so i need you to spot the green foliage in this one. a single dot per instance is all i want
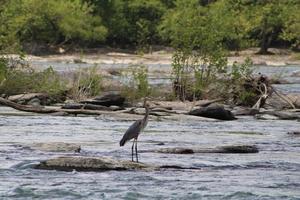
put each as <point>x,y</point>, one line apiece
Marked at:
<point>291,24</point>
<point>3,69</point>
<point>199,57</point>
<point>18,81</point>
<point>236,85</point>
<point>50,22</point>
<point>137,85</point>
<point>143,23</point>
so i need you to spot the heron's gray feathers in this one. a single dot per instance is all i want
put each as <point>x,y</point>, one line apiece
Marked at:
<point>132,132</point>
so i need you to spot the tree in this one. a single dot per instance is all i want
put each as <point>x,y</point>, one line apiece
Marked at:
<point>291,24</point>
<point>197,34</point>
<point>51,22</point>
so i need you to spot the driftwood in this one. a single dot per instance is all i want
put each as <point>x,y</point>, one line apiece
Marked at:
<point>263,89</point>
<point>44,110</point>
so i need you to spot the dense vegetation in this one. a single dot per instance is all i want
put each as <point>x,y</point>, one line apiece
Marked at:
<point>142,23</point>
<point>200,31</point>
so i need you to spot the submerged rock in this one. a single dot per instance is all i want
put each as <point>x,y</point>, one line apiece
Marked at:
<point>90,164</point>
<point>221,149</point>
<point>56,147</point>
<point>295,133</point>
<point>176,150</point>
<point>213,111</point>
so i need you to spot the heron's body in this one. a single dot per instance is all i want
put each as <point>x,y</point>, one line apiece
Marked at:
<point>134,131</point>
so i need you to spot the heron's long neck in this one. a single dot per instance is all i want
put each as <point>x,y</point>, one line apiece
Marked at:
<point>145,119</point>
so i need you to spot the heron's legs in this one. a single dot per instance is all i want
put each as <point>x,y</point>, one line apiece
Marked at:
<point>132,150</point>
<point>136,153</point>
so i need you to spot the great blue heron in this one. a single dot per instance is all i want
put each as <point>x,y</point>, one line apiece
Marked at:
<point>134,131</point>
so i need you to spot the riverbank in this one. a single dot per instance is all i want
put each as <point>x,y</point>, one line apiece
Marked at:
<point>278,57</point>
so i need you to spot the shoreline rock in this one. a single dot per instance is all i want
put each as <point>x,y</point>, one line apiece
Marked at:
<point>214,111</point>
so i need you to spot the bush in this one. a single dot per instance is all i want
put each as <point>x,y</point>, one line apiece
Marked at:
<point>136,84</point>
<point>85,83</point>
<point>22,79</point>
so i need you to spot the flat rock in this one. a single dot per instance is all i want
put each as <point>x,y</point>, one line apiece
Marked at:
<point>221,149</point>
<point>56,147</point>
<point>266,117</point>
<point>284,115</point>
<point>245,111</point>
<point>86,106</point>
<point>214,111</point>
<point>31,98</point>
<point>113,98</point>
<point>80,163</point>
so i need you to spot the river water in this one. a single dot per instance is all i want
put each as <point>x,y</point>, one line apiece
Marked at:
<point>273,173</point>
<point>283,72</point>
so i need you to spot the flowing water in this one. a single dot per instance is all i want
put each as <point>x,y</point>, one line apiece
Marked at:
<point>273,173</point>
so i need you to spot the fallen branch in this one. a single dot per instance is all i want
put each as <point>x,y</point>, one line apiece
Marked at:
<point>44,110</point>
<point>282,97</point>
<point>262,98</point>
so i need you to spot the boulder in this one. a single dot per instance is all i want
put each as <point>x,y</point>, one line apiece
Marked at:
<point>80,163</point>
<point>213,111</point>
<point>221,149</point>
<point>107,99</point>
<point>56,147</point>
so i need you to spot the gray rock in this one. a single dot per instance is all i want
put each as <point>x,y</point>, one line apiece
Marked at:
<point>221,149</point>
<point>56,147</point>
<point>33,98</point>
<point>284,115</point>
<point>214,111</point>
<point>90,164</point>
<point>266,117</point>
<point>34,102</point>
<point>72,106</point>
<point>108,99</point>
<point>275,102</point>
<point>244,111</point>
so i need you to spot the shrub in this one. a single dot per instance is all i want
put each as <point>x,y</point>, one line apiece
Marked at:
<point>85,83</point>
<point>136,83</point>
